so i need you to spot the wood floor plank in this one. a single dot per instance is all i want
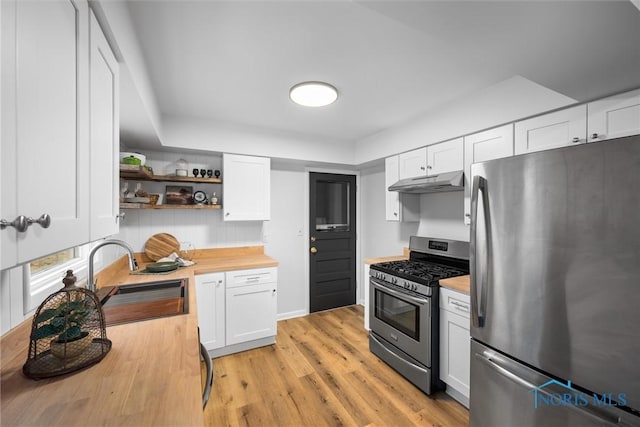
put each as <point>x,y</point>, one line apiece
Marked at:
<point>321,373</point>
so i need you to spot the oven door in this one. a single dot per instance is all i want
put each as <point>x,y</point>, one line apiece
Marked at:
<point>402,319</point>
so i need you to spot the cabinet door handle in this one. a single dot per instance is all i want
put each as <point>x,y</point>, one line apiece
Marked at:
<point>575,139</point>
<point>595,136</point>
<point>20,223</point>
<point>460,306</point>
<point>421,168</point>
<point>44,220</point>
<point>429,167</point>
<point>120,217</point>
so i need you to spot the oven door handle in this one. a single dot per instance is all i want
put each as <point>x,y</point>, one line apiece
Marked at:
<point>378,285</point>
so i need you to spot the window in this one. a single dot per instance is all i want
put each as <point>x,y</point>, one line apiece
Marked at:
<point>44,276</point>
<point>52,261</point>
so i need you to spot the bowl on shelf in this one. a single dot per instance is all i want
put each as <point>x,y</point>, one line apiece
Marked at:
<point>130,158</point>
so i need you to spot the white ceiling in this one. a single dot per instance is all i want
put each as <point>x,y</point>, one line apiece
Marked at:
<point>392,61</point>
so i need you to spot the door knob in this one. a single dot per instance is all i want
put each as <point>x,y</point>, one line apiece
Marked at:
<point>313,250</point>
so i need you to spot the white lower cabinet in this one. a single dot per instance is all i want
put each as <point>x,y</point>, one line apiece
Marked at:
<point>237,310</point>
<point>455,344</point>
<point>367,297</point>
<point>210,296</point>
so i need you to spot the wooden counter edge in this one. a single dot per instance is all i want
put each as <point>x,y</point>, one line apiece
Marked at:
<point>405,255</point>
<point>460,284</point>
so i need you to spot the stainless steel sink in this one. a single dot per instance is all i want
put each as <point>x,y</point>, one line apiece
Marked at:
<point>143,301</point>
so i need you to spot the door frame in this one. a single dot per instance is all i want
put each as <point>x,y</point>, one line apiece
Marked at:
<point>307,234</point>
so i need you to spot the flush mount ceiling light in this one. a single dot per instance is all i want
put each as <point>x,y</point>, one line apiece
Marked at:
<point>313,94</point>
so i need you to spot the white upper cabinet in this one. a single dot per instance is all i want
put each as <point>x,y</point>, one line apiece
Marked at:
<point>482,146</point>
<point>432,160</point>
<point>45,126</point>
<point>614,117</point>
<point>398,206</point>
<point>413,163</point>
<point>558,129</point>
<point>445,157</point>
<point>247,188</point>
<point>104,128</point>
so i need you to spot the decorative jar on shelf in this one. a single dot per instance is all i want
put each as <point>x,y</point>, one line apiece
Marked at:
<point>182,167</point>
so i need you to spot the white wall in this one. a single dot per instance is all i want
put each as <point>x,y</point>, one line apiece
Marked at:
<point>224,137</point>
<point>285,241</point>
<point>380,237</point>
<point>442,216</point>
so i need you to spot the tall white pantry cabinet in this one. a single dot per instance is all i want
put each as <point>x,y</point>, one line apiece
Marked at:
<point>47,118</point>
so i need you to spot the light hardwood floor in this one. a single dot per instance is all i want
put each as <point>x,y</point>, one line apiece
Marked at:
<point>321,373</point>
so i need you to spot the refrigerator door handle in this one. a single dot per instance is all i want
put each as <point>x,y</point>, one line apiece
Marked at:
<point>490,360</point>
<point>478,287</point>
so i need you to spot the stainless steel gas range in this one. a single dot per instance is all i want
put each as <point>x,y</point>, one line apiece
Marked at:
<point>404,314</point>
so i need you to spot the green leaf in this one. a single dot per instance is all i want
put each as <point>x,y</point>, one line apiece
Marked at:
<point>46,315</point>
<point>58,323</point>
<point>44,332</point>
<point>70,334</point>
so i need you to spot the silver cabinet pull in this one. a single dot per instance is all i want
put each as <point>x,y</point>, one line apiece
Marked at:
<point>20,223</point>
<point>44,221</point>
<point>575,139</point>
<point>429,167</point>
<point>120,217</point>
<point>421,168</point>
<point>595,136</point>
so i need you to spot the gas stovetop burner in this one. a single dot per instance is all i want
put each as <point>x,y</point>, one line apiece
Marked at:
<point>424,271</point>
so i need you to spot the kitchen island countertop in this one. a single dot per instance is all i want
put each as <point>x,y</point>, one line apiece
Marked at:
<point>151,376</point>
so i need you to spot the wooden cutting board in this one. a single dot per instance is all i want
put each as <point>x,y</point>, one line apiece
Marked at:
<point>161,245</point>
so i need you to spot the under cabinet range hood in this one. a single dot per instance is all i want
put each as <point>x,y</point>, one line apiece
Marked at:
<point>449,181</point>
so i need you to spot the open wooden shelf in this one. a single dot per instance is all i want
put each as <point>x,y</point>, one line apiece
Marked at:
<point>140,173</point>
<point>148,206</point>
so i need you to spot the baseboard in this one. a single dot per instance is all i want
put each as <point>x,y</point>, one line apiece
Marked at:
<point>292,314</point>
<point>243,346</point>
<point>461,398</point>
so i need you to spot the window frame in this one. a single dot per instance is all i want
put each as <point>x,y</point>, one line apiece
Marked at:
<point>40,285</point>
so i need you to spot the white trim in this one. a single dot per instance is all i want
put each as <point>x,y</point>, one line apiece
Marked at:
<point>308,170</point>
<point>292,314</point>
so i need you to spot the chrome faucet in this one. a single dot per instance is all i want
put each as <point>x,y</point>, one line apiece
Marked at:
<point>133,265</point>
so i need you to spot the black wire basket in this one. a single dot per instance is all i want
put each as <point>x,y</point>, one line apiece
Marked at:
<point>67,334</point>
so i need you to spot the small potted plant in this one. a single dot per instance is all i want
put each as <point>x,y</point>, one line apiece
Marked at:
<point>65,322</point>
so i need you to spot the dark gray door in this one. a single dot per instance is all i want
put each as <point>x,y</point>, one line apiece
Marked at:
<point>332,246</point>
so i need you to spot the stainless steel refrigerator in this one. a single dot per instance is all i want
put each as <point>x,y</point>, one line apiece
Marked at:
<point>555,287</point>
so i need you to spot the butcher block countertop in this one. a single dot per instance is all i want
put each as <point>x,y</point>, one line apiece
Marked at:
<point>460,284</point>
<point>405,255</point>
<point>151,376</point>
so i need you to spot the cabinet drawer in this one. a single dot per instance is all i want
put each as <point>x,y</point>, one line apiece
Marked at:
<point>455,302</point>
<point>254,276</point>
